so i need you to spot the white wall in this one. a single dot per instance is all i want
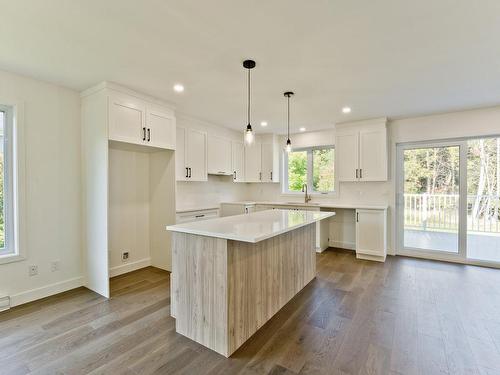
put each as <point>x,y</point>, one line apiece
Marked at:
<point>218,188</point>
<point>53,195</point>
<point>128,224</point>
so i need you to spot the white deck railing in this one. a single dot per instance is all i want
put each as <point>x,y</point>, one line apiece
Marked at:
<point>440,212</point>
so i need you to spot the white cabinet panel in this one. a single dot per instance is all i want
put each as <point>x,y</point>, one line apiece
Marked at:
<point>373,155</point>
<point>238,161</point>
<point>371,237</point>
<point>160,128</point>
<point>126,119</point>
<point>181,171</point>
<point>267,162</point>
<point>219,156</point>
<point>253,163</point>
<point>187,217</point>
<point>196,154</point>
<point>346,156</point>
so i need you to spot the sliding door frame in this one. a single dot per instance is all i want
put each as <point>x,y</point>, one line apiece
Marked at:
<point>461,255</point>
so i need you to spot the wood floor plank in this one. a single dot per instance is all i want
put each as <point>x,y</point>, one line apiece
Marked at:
<point>402,317</point>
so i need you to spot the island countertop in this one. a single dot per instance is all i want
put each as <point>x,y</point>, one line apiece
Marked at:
<point>253,227</point>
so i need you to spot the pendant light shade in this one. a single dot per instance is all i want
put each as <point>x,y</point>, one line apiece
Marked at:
<point>288,147</point>
<point>249,136</point>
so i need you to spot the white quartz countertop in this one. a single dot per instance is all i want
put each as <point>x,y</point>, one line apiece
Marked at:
<point>253,227</point>
<point>315,204</point>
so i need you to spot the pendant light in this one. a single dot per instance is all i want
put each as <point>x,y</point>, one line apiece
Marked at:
<point>288,146</point>
<point>249,136</point>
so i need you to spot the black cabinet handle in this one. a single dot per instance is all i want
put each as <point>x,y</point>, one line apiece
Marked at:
<point>143,134</point>
<point>200,216</point>
<point>357,172</point>
<point>260,176</point>
<point>187,172</point>
<point>271,175</point>
<point>357,217</point>
<point>234,178</point>
<point>149,134</point>
<point>360,173</point>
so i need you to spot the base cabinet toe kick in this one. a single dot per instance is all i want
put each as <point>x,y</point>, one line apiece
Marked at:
<point>223,290</point>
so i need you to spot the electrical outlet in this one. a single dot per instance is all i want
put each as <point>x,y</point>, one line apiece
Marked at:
<point>54,266</point>
<point>33,270</point>
<point>125,256</point>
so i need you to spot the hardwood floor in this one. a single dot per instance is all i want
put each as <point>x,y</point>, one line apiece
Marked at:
<point>405,316</point>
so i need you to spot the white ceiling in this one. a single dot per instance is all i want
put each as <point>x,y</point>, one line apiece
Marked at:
<point>392,58</point>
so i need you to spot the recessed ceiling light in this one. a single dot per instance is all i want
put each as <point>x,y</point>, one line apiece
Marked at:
<point>346,110</point>
<point>263,123</point>
<point>302,129</point>
<point>178,87</point>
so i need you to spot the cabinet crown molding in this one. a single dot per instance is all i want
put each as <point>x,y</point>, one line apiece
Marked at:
<point>124,90</point>
<point>370,122</point>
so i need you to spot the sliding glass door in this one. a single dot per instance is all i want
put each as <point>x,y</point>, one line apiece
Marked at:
<point>448,199</point>
<point>483,199</point>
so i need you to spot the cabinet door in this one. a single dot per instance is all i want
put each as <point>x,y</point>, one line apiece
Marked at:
<point>346,156</point>
<point>238,161</point>
<point>267,162</point>
<point>196,155</point>
<point>126,119</point>
<point>373,155</point>
<point>370,232</point>
<point>253,163</point>
<point>160,126</point>
<point>181,173</point>
<point>219,155</point>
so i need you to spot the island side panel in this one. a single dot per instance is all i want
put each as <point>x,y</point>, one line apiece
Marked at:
<point>199,289</point>
<point>264,276</point>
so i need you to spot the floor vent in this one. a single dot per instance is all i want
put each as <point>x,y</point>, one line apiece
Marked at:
<point>4,303</point>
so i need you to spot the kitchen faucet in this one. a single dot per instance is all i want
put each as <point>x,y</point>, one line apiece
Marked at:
<point>307,197</point>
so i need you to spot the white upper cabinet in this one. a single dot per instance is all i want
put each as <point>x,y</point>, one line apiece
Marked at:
<point>137,121</point>
<point>346,152</point>
<point>191,155</point>
<point>219,155</point>
<point>253,166</point>
<point>238,161</point>
<point>181,170</point>
<point>160,127</point>
<point>127,116</point>
<point>361,151</point>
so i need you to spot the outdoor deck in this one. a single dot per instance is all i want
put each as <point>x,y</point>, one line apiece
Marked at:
<point>481,246</point>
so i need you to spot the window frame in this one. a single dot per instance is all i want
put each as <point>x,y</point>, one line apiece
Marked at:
<point>310,173</point>
<point>14,194</point>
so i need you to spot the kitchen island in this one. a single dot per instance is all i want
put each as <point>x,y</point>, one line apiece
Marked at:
<point>230,275</point>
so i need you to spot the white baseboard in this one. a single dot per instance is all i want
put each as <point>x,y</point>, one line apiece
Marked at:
<point>342,245</point>
<point>45,291</point>
<point>129,267</point>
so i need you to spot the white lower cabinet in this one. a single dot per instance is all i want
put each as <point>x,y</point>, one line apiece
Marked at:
<point>371,234</point>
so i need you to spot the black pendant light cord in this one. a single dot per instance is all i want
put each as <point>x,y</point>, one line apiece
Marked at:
<point>248,96</point>
<point>288,126</point>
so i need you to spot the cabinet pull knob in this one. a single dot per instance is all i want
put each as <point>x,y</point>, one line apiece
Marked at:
<point>143,134</point>
<point>360,173</point>
<point>271,175</point>
<point>357,217</point>
<point>357,172</point>
<point>234,178</point>
<point>260,176</point>
<point>187,172</point>
<point>149,134</point>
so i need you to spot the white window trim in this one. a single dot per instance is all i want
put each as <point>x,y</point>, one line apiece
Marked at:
<point>18,185</point>
<point>316,194</point>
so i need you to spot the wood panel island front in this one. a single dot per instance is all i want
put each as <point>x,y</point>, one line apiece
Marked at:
<point>230,275</point>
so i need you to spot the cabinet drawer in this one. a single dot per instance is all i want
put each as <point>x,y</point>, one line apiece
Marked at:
<point>186,217</point>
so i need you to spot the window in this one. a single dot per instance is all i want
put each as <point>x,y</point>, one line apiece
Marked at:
<point>7,240</point>
<point>313,167</point>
